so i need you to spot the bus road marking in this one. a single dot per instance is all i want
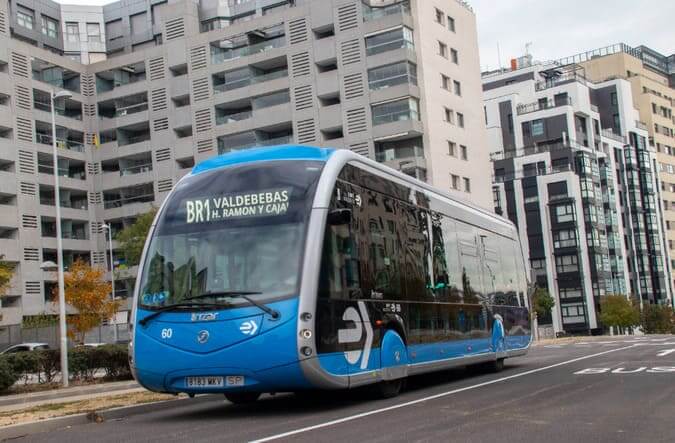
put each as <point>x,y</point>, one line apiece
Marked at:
<point>431,397</point>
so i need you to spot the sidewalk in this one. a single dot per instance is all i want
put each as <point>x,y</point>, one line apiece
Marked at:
<point>75,393</point>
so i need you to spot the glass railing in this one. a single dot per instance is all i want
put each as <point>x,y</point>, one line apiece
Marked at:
<point>224,87</point>
<point>407,114</point>
<point>389,46</point>
<point>118,203</point>
<point>139,169</point>
<point>71,145</point>
<point>388,82</point>
<point>231,118</point>
<point>399,153</point>
<point>133,140</point>
<point>371,13</point>
<point>63,172</point>
<point>222,55</point>
<point>132,109</point>
<point>285,140</point>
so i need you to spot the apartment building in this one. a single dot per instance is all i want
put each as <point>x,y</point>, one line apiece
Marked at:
<point>160,85</point>
<point>573,169</point>
<point>652,79</point>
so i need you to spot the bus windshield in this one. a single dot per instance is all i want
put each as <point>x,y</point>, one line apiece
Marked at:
<point>235,230</point>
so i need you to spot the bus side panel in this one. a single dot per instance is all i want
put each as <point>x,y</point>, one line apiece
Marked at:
<point>516,326</point>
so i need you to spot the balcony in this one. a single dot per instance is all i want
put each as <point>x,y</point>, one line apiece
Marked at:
<point>67,168</point>
<point>238,142</point>
<point>71,145</point>
<point>225,118</point>
<point>240,78</point>
<point>400,110</point>
<point>116,78</point>
<point>392,75</point>
<point>60,78</point>
<point>543,104</point>
<point>66,108</point>
<point>616,137</point>
<point>371,13</point>
<point>243,45</point>
<point>392,151</point>
<point>120,107</point>
<point>389,41</point>
<point>118,198</point>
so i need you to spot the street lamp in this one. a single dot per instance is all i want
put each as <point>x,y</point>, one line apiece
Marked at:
<point>59,243</point>
<point>112,275</point>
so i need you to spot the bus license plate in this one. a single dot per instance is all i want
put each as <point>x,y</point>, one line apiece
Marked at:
<point>234,380</point>
<point>204,382</point>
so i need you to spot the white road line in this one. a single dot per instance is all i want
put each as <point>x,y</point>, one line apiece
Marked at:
<point>431,397</point>
<point>665,352</point>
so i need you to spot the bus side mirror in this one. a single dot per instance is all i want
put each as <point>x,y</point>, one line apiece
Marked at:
<point>338,217</point>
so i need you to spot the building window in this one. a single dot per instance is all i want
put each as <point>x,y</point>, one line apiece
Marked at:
<point>565,239</point>
<point>406,109</point>
<point>454,181</point>
<point>49,27</point>
<point>463,151</point>
<point>72,32</point>
<point>445,82</point>
<point>460,119</point>
<point>613,98</point>
<point>537,127</point>
<point>566,263</point>
<point>442,49</point>
<point>570,293</point>
<point>575,313</point>
<point>93,32</point>
<point>564,213</point>
<point>392,75</point>
<point>451,24</point>
<point>467,184</point>
<point>454,56</point>
<point>440,17</point>
<point>24,17</point>
<point>458,87</point>
<point>452,148</point>
<point>539,263</point>
<point>449,115</point>
<point>388,41</point>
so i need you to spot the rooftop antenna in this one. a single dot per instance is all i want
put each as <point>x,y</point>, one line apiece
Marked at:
<point>527,48</point>
<point>499,57</point>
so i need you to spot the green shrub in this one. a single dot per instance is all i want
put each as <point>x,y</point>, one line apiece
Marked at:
<point>7,375</point>
<point>23,364</point>
<point>49,364</point>
<point>657,319</point>
<point>114,360</point>
<point>83,363</point>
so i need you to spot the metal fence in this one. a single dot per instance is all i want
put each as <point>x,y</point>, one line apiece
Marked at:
<point>15,334</point>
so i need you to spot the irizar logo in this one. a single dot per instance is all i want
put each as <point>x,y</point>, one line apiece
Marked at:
<point>353,335</point>
<point>248,327</point>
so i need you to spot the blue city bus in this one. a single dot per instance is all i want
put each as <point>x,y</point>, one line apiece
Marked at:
<point>291,268</point>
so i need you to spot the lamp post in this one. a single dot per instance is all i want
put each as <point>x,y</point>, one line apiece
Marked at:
<point>59,243</point>
<point>112,275</point>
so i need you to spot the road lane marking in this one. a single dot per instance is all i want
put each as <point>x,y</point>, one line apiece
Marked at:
<point>665,352</point>
<point>432,397</point>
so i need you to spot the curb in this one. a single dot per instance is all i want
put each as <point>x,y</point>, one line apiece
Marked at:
<point>20,399</point>
<point>56,423</point>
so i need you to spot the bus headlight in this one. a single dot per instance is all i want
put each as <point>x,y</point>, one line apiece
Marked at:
<point>306,334</point>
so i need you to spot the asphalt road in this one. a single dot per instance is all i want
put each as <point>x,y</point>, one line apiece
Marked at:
<point>607,390</point>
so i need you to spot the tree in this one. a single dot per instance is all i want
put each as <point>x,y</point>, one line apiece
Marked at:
<point>87,291</point>
<point>132,238</point>
<point>6,274</point>
<point>617,310</point>
<point>543,302</point>
<point>657,319</point>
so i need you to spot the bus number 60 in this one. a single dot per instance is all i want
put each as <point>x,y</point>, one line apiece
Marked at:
<point>167,332</point>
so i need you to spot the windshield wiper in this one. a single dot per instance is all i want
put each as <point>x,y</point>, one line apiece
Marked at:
<point>145,320</point>
<point>240,294</point>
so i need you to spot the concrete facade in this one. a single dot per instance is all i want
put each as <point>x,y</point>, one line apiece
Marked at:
<point>184,80</point>
<point>574,171</point>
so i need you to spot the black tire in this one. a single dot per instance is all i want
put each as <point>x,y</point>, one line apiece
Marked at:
<point>242,398</point>
<point>497,365</point>
<point>389,388</point>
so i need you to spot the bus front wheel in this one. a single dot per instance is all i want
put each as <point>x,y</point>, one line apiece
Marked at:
<point>241,398</point>
<point>389,388</point>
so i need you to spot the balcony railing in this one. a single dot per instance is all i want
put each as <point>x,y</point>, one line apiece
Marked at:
<point>45,106</point>
<point>389,46</point>
<point>77,204</point>
<point>400,153</point>
<point>536,149</point>
<point>531,173</point>
<point>138,169</point>
<point>394,80</point>
<point>132,140</point>
<point>121,112</point>
<point>541,105</point>
<point>257,79</point>
<point>63,172</point>
<point>231,118</point>
<point>610,134</point>
<point>71,145</point>
<point>391,117</point>
<point>568,77</point>
<point>230,54</point>
<point>371,13</point>
<point>118,203</point>
<point>640,125</point>
<point>285,140</point>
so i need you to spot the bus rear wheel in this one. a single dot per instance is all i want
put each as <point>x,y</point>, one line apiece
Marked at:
<point>242,398</point>
<point>497,365</point>
<point>389,388</point>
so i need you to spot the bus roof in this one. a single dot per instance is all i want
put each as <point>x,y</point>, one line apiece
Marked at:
<point>282,152</point>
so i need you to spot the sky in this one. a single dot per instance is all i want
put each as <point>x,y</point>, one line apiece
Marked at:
<point>560,28</point>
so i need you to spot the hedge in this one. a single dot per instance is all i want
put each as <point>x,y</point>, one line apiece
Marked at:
<point>83,363</point>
